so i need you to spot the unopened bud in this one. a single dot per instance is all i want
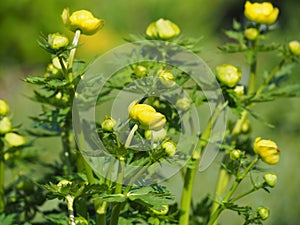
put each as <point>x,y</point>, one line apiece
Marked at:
<point>270,179</point>
<point>263,212</point>
<point>57,41</point>
<point>4,108</point>
<point>5,125</point>
<point>108,124</point>
<point>251,34</point>
<point>140,71</point>
<point>235,154</point>
<point>184,103</point>
<point>228,75</point>
<point>166,78</point>
<point>14,139</point>
<point>294,47</point>
<point>169,147</point>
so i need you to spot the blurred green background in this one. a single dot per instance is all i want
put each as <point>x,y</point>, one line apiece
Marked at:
<point>22,21</point>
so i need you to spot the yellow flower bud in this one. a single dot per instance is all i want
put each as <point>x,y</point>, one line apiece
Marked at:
<point>140,71</point>
<point>294,47</point>
<point>251,34</point>
<point>169,147</point>
<point>239,90</point>
<point>5,125</point>
<point>82,20</point>
<point>4,108</point>
<point>64,183</point>
<point>151,120</point>
<point>57,41</point>
<point>264,13</point>
<point>228,75</point>
<point>135,109</point>
<point>270,179</point>
<point>162,29</point>
<point>263,212</point>
<point>108,124</point>
<point>267,150</point>
<point>235,154</point>
<point>14,139</point>
<point>166,78</point>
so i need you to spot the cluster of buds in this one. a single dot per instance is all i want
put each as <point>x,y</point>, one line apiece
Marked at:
<point>147,117</point>
<point>13,139</point>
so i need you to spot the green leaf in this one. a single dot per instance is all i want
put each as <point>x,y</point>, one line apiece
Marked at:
<point>151,197</point>
<point>232,48</point>
<point>113,198</point>
<point>58,219</point>
<point>7,219</point>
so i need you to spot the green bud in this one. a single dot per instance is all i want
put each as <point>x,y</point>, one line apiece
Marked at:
<point>228,75</point>
<point>4,108</point>
<point>184,103</point>
<point>108,124</point>
<point>270,179</point>
<point>166,78</point>
<point>140,71</point>
<point>169,147</point>
<point>162,29</point>
<point>57,41</point>
<point>294,47</point>
<point>246,127</point>
<point>251,34</point>
<point>235,154</point>
<point>5,125</point>
<point>263,212</point>
<point>14,139</point>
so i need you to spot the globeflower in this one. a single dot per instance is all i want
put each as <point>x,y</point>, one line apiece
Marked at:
<point>162,29</point>
<point>147,116</point>
<point>82,20</point>
<point>267,150</point>
<point>228,75</point>
<point>264,13</point>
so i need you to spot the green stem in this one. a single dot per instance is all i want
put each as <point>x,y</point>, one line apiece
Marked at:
<point>223,181</point>
<point>65,138</point>
<point>70,202</point>
<point>233,188</point>
<point>189,176</point>
<point>2,202</point>
<point>252,79</point>
<point>255,188</point>
<point>119,184</point>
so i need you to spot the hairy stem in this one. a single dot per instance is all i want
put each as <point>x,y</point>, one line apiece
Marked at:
<point>70,202</point>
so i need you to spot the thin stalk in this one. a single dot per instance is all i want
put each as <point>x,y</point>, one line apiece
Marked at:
<point>255,188</point>
<point>233,188</point>
<point>72,56</point>
<point>189,176</point>
<point>2,202</point>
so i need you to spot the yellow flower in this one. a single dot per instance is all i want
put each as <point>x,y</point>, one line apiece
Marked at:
<point>264,13</point>
<point>162,29</point>
<point>4,108</point>
<point>267,150</point>
<point>14,140</point>
<point>151,120</point>
<point>57,41</point>
<point>294,47</point>
<point>228,75</point>
<point>82,20</point>
<point>147,116</point>
<point>135,109</point>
